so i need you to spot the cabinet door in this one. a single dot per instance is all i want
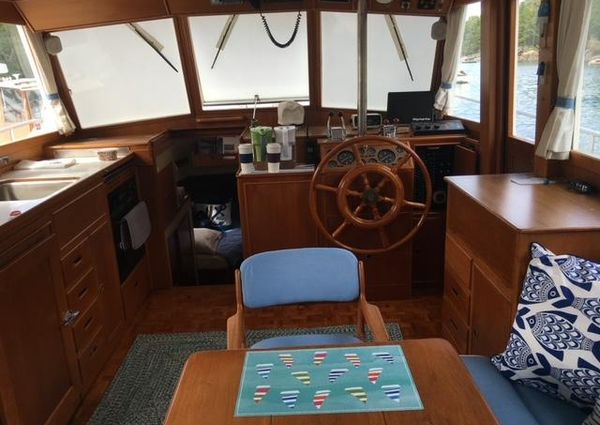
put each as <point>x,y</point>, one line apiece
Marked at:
<point>37,354</point>
<point>105,263</point>
<point>491,315</point>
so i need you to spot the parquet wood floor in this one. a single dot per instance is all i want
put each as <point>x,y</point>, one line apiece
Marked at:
<point>207,309</point>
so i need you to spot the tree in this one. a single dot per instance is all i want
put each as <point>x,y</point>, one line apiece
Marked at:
<point>528,30</point>
<point>472,41</point>
<point>12,52</point>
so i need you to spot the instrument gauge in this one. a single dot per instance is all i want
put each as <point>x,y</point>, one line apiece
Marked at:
<point>368,151</point>
<point>386,156</point>
<point>345,158</point>
<point>332,164</point>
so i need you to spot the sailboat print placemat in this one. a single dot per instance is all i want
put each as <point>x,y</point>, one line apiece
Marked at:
<point>334,380</point>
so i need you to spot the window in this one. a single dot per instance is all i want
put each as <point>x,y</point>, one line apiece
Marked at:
<point>249,63</point>
<point>116,76</point>
<point>385,72</point>
<point>525,86</point>
<point>466,94</point>
<point>587,138</point>
<point>24,110</point>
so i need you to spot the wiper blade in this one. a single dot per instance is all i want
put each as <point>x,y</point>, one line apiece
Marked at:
<point>224,37</point>
<point>152,42</point>
<point>398,42</point>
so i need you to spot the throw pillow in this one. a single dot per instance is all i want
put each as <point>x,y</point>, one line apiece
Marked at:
<point>206,241</point>
<point>554,345</point>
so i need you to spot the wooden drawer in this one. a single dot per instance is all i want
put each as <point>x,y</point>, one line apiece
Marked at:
<point>459,261</point>
<point>92,358</point>
<point>456,294</point>
<point>77,263</point>
<point>135,289</point>
<point>84,292</point>
<point>76,216</point>
<point>87,326</point>
<point>455,326</point>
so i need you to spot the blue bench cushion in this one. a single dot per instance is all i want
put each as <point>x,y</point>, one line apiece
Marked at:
<point>515,404</point>
<point>305,340</point>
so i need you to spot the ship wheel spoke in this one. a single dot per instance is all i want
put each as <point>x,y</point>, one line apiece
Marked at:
<point>354,193</point>
<point>401,163</point>
<point>357,155</point>
<point>382,183</point>
<point>359,209</point>
<point>376,213</point>
<point>387,199</point>
<point>326,188</point>
<point>337,232</point>
<point>417,205</point>
<point>366,181</point>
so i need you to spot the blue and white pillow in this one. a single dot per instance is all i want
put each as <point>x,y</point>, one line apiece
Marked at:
<point>554,345</point>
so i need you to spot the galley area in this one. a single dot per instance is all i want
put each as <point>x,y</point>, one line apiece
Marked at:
<point>157,156</point>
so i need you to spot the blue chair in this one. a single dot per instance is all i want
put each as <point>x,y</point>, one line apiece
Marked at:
<point>297,276</point>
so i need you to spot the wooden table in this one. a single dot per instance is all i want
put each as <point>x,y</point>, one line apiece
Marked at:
<point>208,389</point>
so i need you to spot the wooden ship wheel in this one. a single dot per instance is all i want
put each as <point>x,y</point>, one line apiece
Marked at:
<point>369,194</point>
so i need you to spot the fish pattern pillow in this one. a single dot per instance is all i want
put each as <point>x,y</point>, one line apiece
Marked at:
<point>554,345</point>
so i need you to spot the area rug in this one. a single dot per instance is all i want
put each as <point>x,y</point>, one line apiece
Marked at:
<point>141,392</point>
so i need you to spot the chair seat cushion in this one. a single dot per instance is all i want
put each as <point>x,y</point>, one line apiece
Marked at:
<point>515,404</point>
<point>305,340</point>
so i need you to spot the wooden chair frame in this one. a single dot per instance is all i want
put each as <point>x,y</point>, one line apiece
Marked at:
<point>367,313</point>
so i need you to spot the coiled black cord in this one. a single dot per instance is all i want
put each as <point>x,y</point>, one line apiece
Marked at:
<point>275,42</point>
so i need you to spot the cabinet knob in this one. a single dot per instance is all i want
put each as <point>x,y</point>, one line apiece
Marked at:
<point>70,317</point>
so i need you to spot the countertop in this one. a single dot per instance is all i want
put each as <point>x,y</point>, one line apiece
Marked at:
<point>532,207</point>
<point>85,169</point>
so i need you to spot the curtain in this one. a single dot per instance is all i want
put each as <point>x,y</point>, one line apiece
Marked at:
<point>64,124</point>
<point>557,138</point>
<point>454,38</point>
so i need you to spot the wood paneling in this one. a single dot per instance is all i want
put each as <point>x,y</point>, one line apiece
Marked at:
<point>274,212</point>
<point>46,15</point>
<point>9,13</point>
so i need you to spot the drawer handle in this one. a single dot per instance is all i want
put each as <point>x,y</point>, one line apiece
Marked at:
<point>455,292</point>
<point>70,317</point>
<point>77,261</point>
<point>135,284</point>
<point>94,349</point>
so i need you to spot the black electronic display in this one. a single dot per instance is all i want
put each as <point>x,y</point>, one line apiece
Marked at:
<point>406,107</point>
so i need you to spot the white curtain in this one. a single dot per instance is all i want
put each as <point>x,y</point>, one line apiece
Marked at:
<point>452,48</point>
<point>557,138</point>
<point>64,124</point>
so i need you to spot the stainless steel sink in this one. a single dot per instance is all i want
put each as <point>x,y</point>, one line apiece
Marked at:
<point>28,189</point>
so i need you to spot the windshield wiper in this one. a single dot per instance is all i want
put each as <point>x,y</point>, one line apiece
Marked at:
<point>224,37</point>
<point>398,42</point>
<point>152,42</point>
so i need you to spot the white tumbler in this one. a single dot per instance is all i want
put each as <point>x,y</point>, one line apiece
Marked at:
<point>245,154</point>
<point>273,157</point>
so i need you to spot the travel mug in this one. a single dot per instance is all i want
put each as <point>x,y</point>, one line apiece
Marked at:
<point>245,154</point>
<point>273,157</point>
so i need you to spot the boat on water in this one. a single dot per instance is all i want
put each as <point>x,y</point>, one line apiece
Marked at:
<point>240,186</point>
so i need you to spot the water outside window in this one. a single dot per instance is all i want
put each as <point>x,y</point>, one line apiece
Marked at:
<point>249,63</point>
<point>24,109</point>
<point>588,102</point>
<point>466,94</point>
<point>386,72</point>
<point>115,74</point>
<point>527,58</point>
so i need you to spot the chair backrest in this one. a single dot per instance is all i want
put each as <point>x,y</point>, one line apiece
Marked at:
<point>302,275</point>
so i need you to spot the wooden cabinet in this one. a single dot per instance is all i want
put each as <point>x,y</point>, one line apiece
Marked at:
<point>91,280</point>
<point>274,212</point>
<point>38,382</point>
<point>135,290</point>
<point>491,223</point>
